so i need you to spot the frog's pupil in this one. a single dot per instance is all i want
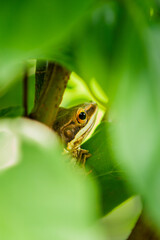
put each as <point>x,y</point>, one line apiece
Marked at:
<point>82,115</point>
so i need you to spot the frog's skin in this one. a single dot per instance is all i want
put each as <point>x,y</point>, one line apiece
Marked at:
<point>73,125</point>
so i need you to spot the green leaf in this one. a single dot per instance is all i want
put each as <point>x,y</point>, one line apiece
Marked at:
<point>42,195</point>
<point>11,112</point>
<point>120,48</point>
<point>35,24</point>
<point>136,135</point>
<point>29,28</point>
<point>97,43</point>
<point>111,180</point>
<point>13,97</point>
<point>120,222</point>
<point>11,68</point>
<point>99,50</point>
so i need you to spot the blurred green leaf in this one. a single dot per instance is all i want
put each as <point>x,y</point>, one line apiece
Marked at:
<point>9,148</point>
<point>98,42</point>
<point>119,47</point>
<point>36,24</point>
<point>99,49</point>
<point>78,93</point>
<point>11,68</point>
<point>42,197</point>
<point>111,180</point>
<point>136,134</point>
<point>28,28</point>
<point>117,44</point>
<point>120,222</point>
<point>11,112</point>
<point>14,95</point>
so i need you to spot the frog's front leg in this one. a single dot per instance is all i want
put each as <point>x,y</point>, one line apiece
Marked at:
<point>81,155</point>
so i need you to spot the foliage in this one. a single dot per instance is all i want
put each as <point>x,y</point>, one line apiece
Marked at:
<point>114,43</point>
<point>42,198</point>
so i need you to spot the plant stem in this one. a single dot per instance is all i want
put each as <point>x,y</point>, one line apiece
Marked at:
<point>50,94</point>
<point>41,67</point>
<point>25,93</point>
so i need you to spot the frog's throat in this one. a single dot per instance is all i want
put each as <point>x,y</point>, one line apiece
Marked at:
<point>82,133</point>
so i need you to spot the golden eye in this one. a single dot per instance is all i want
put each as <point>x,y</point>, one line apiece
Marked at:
<point>81,116</point>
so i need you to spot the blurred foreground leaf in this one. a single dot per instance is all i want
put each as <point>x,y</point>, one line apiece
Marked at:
<point>42,197</point>
<point>120,48</point>
<point>35,24</point>
<point>110,178</point>
<point>137,135</point>
<point>29,27</point>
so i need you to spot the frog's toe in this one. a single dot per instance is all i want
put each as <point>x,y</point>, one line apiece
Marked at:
<point>89,172</point>
<point>84,154</point>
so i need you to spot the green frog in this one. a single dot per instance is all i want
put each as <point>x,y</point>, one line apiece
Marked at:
<point>73,125</point>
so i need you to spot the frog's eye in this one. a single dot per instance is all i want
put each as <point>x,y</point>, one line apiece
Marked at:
<point>81,116</point>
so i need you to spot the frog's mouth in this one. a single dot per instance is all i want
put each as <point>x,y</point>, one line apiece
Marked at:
<point>81,135</point>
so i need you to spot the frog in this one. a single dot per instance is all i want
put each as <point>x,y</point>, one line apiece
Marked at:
<point>73,126</point>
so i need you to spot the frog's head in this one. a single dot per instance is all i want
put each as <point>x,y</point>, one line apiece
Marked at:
<point>74,124</point>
